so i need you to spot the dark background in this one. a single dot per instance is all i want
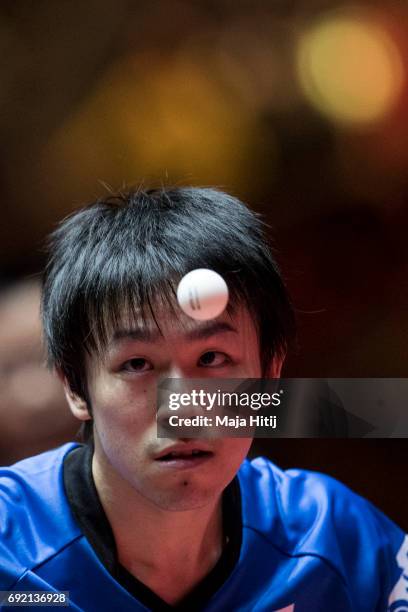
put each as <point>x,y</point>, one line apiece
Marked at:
<point>299,108</point>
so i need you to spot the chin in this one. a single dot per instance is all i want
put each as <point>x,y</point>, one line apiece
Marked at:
<point>185,495</point>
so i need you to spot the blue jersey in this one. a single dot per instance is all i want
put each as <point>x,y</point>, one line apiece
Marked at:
<point>308,544</point>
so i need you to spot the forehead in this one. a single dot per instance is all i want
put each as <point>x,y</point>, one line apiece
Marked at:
<point>168,324</point>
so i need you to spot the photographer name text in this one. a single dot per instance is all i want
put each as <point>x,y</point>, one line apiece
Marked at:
<point>235,422</point>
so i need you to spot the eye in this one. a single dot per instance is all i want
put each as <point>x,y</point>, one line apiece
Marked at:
<point>138,364</point>
<point>213,359</point>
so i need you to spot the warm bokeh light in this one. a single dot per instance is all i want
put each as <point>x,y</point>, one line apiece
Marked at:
<point>350,69</point>
<point>219,99</point>
<point>155,120</point>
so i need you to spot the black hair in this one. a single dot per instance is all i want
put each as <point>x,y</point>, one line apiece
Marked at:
<point>127,252</point>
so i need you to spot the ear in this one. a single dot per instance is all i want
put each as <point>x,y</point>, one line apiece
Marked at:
<point>78,405</point>
<point>276,367</point>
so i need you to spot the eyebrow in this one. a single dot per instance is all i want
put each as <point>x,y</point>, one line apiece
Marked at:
<point>206,330</point>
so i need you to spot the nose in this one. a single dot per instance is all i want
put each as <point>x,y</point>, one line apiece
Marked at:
<point>176,403</point>
<point>175,371</point>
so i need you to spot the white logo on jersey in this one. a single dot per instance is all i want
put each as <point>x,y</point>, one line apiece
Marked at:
<point>398,600</point>
<point>287,609</point>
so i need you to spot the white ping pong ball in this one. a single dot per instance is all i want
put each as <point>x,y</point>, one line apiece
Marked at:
<point>202,294</point>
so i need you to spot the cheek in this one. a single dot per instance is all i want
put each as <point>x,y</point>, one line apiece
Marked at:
<point>251,350</point>
<point>250,366</point>
<point>250,369</point>
<point>233,452</point>
<point>122,406</point>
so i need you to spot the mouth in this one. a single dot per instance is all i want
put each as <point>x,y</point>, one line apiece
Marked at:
<point>184,458</point>
<point>190,454</point>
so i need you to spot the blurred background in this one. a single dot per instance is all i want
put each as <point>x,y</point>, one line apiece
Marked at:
<point>299,108</point>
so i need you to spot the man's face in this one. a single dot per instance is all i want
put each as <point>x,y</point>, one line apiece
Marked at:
<point>122,388</point>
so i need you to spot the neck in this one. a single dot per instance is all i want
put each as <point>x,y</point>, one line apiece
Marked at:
<point>159,546</point>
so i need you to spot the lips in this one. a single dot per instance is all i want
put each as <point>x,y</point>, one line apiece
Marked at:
<point>186,451</point>
<point>187,455</point>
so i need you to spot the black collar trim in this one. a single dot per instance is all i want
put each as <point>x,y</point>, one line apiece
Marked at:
<point>89,513</point>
